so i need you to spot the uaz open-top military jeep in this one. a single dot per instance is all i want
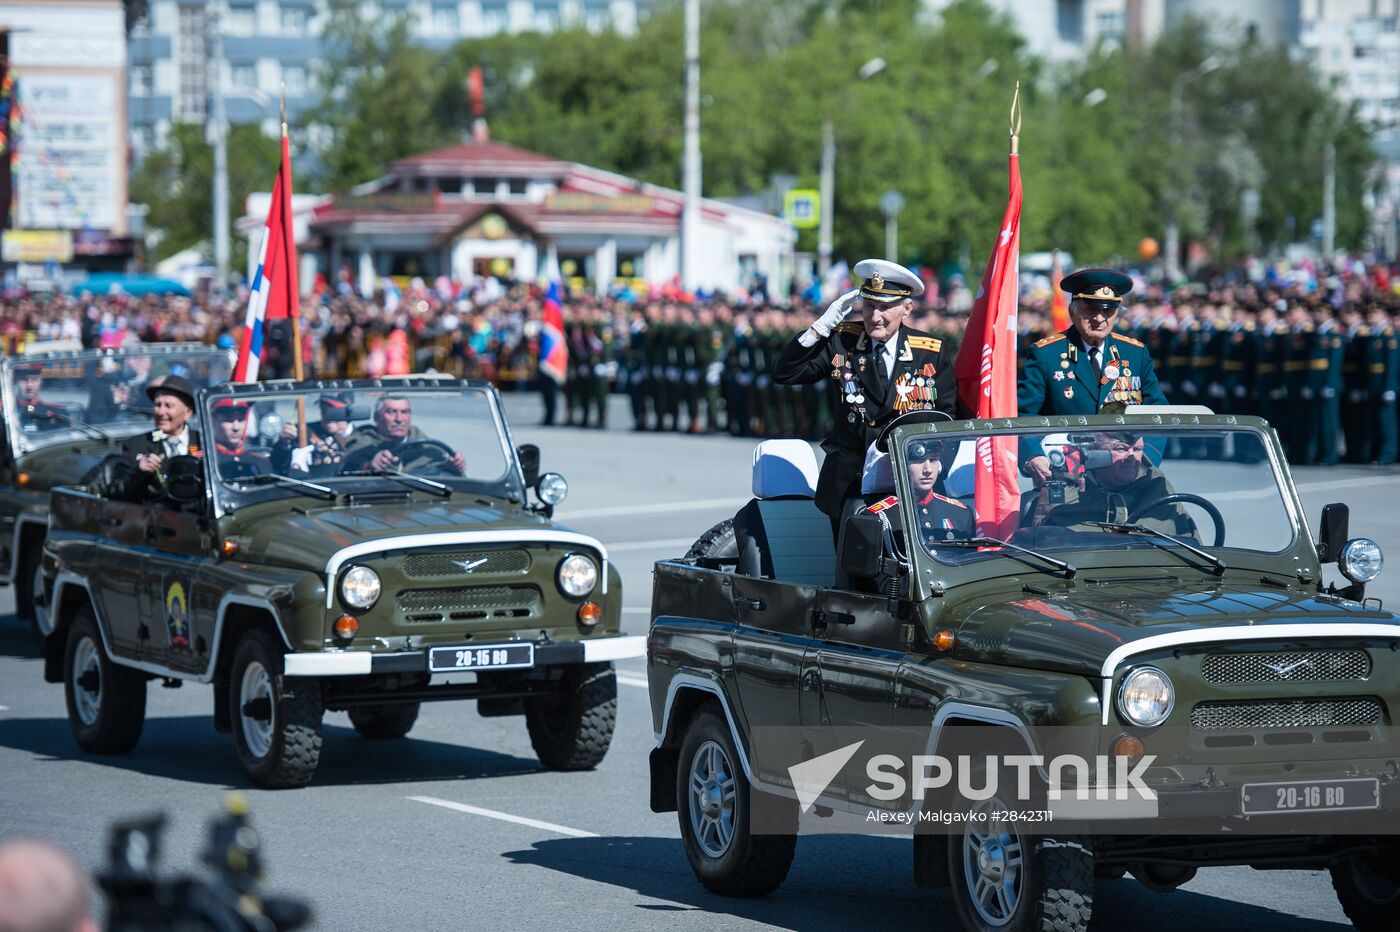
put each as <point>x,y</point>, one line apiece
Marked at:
<point>365,546</point>
<point>1154,606</point>
<point>64,411</point>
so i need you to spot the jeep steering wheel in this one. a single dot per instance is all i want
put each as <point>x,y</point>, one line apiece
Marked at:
<point>1186,498</point>
<point>439,455</point>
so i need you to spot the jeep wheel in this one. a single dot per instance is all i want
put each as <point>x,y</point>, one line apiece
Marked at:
<point>384,722</point>
<point>1369,890</point>
<point>716,544</point>
<point>572,728</point>
<point>106,701</point>
<point>276,720</point>
<point>1003,879</point>
<point>713,800</point>
<point>31,602</point>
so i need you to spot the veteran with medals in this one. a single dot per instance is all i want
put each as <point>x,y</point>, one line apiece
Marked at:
<point>1081,369</point>
<point>879,369</point>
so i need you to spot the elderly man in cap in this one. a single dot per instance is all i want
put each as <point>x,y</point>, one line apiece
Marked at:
<point>172,399</point>
<point>1087,366</point>
<point>328,441</point>
<point>879,367</point>
<point>230,417</point>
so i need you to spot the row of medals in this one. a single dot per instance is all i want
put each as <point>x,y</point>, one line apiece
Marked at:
<point>1111,372</point>
<point>855,396</point>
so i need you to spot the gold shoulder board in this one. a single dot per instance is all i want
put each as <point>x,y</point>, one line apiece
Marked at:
<point>849,326</point>
<point>926,343</point>
<point>1128,340</point>
<point>1048,340</point>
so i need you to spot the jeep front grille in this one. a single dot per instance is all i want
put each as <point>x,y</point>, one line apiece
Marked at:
<point>1287,713</point>
<point>481,563</point>
<point>471,603</point>
<point>1294,666</point>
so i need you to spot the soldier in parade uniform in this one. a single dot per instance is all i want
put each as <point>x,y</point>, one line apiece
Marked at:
<point>940,517</point>
<point>34,412</point>
<point>1300,421</point>
<point>1325,380</point>
<point>1238,352</point>
<point>1355,415</point>
<point>1382,360</point>
<point>233,459</point>
<point>328,441</point>
<point>1088,365</point>
<point>880,367</point>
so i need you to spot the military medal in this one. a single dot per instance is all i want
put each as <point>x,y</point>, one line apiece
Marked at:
<point>1064,363</point>
<point>1059,376</point>
<point>1110,371</point>
<point>906,353</point>
<point>1069,391</point>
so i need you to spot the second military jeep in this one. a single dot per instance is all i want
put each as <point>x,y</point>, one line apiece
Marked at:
<point>377,556</point>
<point>1156,602</point>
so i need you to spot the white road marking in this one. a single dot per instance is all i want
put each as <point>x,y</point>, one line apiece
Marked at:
<point>503,816</point>
<point>637,610</point>
<point>626,680</point>
<point>4,708</point>
<point>620,510</point>
<point>670,542</point>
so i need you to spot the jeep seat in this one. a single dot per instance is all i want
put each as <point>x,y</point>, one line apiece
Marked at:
<point>781,534</point>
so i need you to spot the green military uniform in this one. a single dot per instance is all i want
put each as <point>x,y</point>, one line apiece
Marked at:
<point>1299,437</point>
<point>1383,381</point>
<point>1326,380</point>
<point>1355,416</point>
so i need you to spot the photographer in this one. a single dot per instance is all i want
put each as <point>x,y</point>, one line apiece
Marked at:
<point>42,889</point>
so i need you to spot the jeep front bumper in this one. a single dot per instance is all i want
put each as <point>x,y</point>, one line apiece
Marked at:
<point>361,663</point>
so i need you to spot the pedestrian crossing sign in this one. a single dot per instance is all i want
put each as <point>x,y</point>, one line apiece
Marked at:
<point>802,208</point>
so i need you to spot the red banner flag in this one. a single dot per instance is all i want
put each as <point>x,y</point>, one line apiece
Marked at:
<point>986,370</point>
<point>1059,305</point>
<point>275,293</point>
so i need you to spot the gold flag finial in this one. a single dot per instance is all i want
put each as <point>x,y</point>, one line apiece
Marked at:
<point>1016,119</point>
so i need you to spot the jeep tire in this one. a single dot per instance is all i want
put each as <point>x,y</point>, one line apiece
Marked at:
<point>713,800</point>
<point>1369,890</point>
<point>1006,880</point>
<point>106,701</point>
<point>384,722</point>
<point>31,602</point>
<point>571,728</point>
<point>276,720</point>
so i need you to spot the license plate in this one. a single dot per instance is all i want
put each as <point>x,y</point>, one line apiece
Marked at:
<point>1310,796</point>
<point>481,657</point>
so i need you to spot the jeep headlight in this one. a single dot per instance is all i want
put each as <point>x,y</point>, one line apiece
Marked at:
<point>577,575</point>
<point>552,488</point>
<point>359,587</point>
<point>1146,697</point>
<point>1361,560</point>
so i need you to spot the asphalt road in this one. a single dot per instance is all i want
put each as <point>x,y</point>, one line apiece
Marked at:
<point>458,825</point>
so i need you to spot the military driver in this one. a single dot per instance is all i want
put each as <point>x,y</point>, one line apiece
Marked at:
<point>1121,484</point>
<point>394,443</point>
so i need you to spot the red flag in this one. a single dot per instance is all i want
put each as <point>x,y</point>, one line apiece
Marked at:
<point>986,370</point>
<point>1059,306</point>
<point>275,290</point>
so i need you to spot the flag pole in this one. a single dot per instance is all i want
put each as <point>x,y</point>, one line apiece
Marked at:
<point>295,300</point>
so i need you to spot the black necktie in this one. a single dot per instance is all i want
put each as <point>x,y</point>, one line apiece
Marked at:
<point>880,379</point>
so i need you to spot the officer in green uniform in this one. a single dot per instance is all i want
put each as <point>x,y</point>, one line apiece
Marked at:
<point>1268,370</point>
<point>711,353</point>
<point>1238,360</point>
<point>1088,365</point>
<point>1300,436</point>
<point>1356,419</point>
<point>636,368</point>
<point>1383,381</point>
<point>742,373</point>
<point>1325,379</point>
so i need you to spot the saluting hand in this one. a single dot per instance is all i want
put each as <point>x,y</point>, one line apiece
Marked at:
<point>835,312</point>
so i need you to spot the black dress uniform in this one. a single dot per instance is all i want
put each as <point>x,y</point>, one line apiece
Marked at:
<point>921,379</point>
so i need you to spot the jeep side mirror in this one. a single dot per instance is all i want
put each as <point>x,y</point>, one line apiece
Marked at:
<point>184,478</point>
<point>1333,534</point>
<point>529,463</point>
<point>862,546</point>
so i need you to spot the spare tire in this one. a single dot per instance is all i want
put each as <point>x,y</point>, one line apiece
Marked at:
<point>717,545</point>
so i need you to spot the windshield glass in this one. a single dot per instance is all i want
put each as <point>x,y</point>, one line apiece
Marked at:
<point>66,398</point>
<point>356,440</point>
<point>1208,488</point>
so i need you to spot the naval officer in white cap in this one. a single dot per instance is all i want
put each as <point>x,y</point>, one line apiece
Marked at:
<point>879,367</point>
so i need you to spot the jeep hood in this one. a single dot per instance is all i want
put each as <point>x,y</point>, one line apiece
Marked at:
<point>1075,630</point>
<point>306,539</point>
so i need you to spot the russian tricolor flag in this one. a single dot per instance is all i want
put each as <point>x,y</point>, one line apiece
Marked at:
<point>554,355</point>
<point>275,289</point>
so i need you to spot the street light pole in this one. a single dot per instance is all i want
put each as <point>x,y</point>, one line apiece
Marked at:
<point>218,129</point>
<point>1329,200</point>
<point>891,203</point>
<point>827,182</point>
<point>690,219</point>
<point>1171,239</point>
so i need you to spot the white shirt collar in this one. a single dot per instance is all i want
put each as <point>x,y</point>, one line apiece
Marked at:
<point>890,351</point>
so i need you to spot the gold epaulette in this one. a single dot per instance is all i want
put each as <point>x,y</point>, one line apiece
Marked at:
<point>849,326</point>
<point>1128,340</point>
<point>931,344</point>
<point>1048,340</point>
<point>951,501</point>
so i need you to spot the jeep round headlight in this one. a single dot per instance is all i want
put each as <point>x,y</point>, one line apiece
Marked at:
<point>359,587</point>
<point>577,575</point>
<point>552,488</point>
<point>1361,560</point>
<point>1146,697</point>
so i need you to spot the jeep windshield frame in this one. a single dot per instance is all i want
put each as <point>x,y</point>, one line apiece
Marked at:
<point>98,395</point>
<point>456,416</point>
<point>1295,555</point>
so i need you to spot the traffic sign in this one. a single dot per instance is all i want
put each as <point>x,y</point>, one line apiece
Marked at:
<point>802,208</point>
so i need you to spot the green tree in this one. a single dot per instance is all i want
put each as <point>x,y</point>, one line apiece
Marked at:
<point>176,183</point>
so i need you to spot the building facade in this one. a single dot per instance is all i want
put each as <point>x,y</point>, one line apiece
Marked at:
<point>269,43</point>
<point>482,209</point>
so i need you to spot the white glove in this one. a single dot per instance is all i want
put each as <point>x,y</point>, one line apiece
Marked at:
<point>835,312</point>
<point>301,458</point>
